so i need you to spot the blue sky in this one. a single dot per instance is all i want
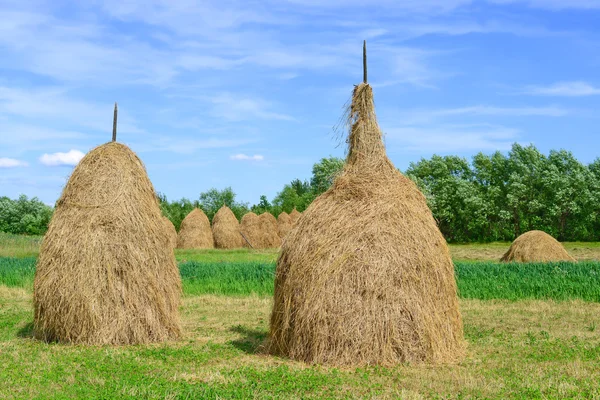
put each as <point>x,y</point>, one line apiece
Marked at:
<point>245,93</point>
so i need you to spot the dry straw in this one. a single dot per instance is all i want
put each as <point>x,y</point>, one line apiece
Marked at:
<point>295,216</point>
<point>106,273</point>
<point>171,232</point>
<point>285,224</point>
<point>269,231</point>
<point>366,278</point>
<point>195,231</point>
<point>250,230</point>
<point>536,246</point>
<point>226,230</point>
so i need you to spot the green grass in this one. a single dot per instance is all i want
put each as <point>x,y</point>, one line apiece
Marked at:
<point>19,245</point>
<point>476,280</point>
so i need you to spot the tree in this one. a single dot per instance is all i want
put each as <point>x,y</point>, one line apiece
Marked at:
<point>324,173</point>
<point>213,199</point>
<point>24,216</point>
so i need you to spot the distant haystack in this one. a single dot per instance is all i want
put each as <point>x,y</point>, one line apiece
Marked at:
<point>226,230</point>
<point>106,273</point>
<point>195,231</point>
<point>365,277</point>
<point>171,232</point>
<point>269,231</point>
<point>250,230</point>
<point>295,216</point>
<point>285,224</point>
<point>536,246</point>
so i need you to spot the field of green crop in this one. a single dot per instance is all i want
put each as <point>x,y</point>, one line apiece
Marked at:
<point>531,329</point>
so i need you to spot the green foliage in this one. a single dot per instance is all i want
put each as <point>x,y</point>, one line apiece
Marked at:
<point>213,199</point>
<point>498,197</point>
<point>24,216</point>
<point>177,210</point>
<point>324,173</point>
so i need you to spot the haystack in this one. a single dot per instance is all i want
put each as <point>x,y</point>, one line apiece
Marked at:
<point>171,232</point>
<point>366,278</point>
<point>285,224</point>
<point>536,246</point>
<point>106,273</point>
<point>250,230</point>
<point>226,230</point>
<point>269,231</point>
<point>295,216</point>
<point>195,231</point>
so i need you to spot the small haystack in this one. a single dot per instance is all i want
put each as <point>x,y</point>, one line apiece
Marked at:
<point>106,273</point>
<point>269,231</point>
<point>285,224</point>
<point>226,230</point>
<point>536,246</point>
<point>295,216</point>
<point>171,232</point>
<point>195,232</point>
<point>366,278</point>
<point>250,230</point>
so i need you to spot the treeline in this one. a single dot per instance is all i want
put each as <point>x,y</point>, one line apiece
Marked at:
<point>24,216</point>
<point>489,198</point>
<point>497,197</point>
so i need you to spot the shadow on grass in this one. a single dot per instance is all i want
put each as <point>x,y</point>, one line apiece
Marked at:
<point>252,341</point>
<point>26,332</point>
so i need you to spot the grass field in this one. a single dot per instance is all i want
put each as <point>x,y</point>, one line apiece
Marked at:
<point>533,331</point>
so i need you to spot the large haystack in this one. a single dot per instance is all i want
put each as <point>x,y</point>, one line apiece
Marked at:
<point>366,277</point>
<point>285,224</point>
<point>195,231</point>
<point>250,230</point>
<point>269,231</point>
<point>171,232</point>
<point>536,246</point>
<point>295,216</point>
<point>106,273</point>
<point>226,230</point>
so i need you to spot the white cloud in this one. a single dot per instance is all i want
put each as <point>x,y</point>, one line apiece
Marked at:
<point>244,157</point>
<point>567,89</point>
<point>11,163</point>
<point>55,159</point>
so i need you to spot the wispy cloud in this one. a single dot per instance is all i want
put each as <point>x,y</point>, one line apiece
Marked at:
<point>244,157</point>
<point>566,89</point>
<point>237,108</point>
<point>450,139</point>
<point>70,158</point>
<point>11,163</point>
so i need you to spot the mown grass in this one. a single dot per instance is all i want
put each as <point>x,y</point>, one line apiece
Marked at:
<point>19,245</point>
<point>527,349</point>
<point>475,280</point>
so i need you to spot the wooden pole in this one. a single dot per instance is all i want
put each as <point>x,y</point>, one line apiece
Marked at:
<point>114,137</point>
<point>365,61</point>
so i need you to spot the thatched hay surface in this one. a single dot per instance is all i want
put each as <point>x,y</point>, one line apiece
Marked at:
<point>366,276</point>
<point>195,231</point>
<point>226,230</point>
<point>536,246</point>
<point>285,224</point>
<point>269,231</point>
<point>171,232</point>
<point>295,215</point>
<point>250,229</point>
<point>106,273</point>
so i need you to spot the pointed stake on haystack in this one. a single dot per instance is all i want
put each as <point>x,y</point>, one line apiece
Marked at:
<point>114,137</point>
<point>365,61</point>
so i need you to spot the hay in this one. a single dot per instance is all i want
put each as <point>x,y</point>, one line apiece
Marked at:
<point>295,216</point>
<point>285,224</point>
<point>261,231</point>
<point>250,229</point>
<point>195,231</point>
<point>366,278</point>
<point>106,273</point>
<point>536,246</point>
<point>269,231</point>
<point>226,230</point>
<point>171,232</point>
